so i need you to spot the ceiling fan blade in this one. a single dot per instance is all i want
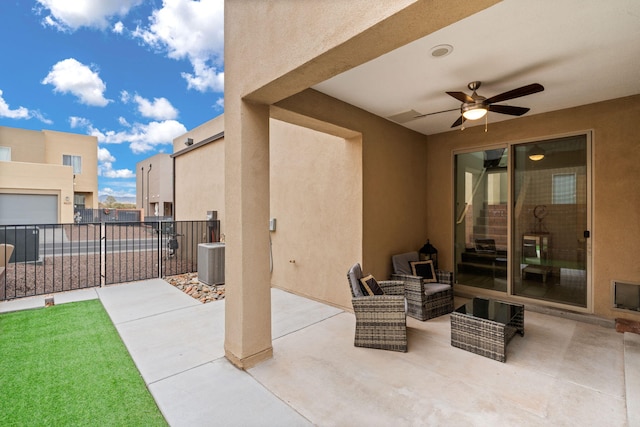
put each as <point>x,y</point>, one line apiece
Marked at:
<point>516,93</point>
<point>437,112</point>
<point>461,96</point>
<point>508,109</point>
<point>458,122</point>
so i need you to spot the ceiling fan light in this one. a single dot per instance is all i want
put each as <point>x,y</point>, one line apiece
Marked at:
<point>536,154</point>
<point>475,113</point>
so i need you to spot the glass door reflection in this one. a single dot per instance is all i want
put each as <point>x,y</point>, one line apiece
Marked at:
<point>550,220</point>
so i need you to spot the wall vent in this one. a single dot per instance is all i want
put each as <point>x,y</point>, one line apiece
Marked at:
<point>626,296</point>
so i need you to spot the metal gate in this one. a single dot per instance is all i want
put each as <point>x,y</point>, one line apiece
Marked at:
<point>61,257</point>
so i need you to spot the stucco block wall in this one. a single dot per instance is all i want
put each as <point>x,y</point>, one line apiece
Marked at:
<point>616,156</point>
<point>316,198</point>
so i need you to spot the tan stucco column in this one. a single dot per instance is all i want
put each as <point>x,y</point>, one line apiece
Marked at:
<point>247,276</point>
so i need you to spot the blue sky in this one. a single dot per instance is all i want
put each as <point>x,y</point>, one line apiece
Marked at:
<point>134,73</point>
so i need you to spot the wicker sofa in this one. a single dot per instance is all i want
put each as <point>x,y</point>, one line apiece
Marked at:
<point>381,320</point>
<point>424,300</point>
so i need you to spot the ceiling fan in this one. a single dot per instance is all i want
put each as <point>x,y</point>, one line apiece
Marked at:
<point>475,106</point>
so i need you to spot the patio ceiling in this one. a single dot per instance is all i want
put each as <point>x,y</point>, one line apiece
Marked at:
<point>581,51</point>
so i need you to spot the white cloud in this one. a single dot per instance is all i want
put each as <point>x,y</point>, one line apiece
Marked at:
<point>123,121</point>
<point>220,102</point>
<point>192,30</point>
<point>125,97</point>
<point>20,112</point>
<point>159,109</point>
<point>118,27</point>
<point>65,15</point>
<point>105,156</point>
<point>142,137</point>
<point>78,122</point>
<point>105,166</point>
<point>71,76</point>
<point>204,78</point>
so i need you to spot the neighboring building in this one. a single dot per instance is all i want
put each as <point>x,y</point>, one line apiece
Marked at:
<point>45,174</point>
<point>308,168</point>
<point>199,169</point>
<point>154,186</point>
<point>407,181</point>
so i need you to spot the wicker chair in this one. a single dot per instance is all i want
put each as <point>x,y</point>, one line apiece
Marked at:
<point>381,320</point>
<point>424,300</point>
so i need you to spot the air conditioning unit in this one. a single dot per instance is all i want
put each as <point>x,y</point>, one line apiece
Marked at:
<point>211,263</point>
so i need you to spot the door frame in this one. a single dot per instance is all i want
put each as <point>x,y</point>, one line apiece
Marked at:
<point>470,291</point>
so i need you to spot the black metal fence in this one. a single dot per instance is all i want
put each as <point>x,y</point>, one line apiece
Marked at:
<point>60,257</point>
<point>89,216</point>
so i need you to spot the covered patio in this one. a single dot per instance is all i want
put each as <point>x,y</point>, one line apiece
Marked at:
<point>563,372</point>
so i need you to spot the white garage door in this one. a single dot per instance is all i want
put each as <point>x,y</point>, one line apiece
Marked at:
<point>28,209</point>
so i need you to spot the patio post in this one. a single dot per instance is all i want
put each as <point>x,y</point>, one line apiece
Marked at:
<point>247,275</point>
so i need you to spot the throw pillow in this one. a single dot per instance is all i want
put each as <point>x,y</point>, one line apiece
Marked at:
<point>371,285</point>
<point>425,270</point>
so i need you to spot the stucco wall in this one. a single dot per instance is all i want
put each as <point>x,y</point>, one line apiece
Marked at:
<point>394,176</point>
<point>199,170</point>
<point>37,178</point>
<point>200,183</point>
<point>322,38</point>
<point>616,153</point>
<point>277,49</point>
<point>85,146</point>
<point>154,185</point>
<point>316,198</point>
<point>26,145</point>
<point>200,133</point>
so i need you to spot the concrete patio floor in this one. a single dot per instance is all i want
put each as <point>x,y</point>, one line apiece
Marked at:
<point>563,372</point>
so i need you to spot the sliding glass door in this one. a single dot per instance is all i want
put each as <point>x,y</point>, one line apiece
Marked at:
<point>481,248</point>
<point>550,223</point>
<point>538,247</point>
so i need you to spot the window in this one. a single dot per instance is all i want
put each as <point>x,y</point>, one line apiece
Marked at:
<point>75,161</point>
<point>5,154</point>
<point>564,189</point>
<point>79,201</point>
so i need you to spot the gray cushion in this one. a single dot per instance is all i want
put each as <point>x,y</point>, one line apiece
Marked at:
<point>432,288</point>
<point>355,274</point>
<point>401,262</point>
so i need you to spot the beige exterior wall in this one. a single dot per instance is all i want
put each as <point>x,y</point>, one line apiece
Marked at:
<point>316,199</point>
<point>61,143</point>
<point>199,134</point>
<point>154,185</point>
<point>37,178</point>
<point>26,145</point>
<point>36,166</point>
<point>394,174</point>
<point>615,174</point>
<point>299,44</point>
<point>199,172</point>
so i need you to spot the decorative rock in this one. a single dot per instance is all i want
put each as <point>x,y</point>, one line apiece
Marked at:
<point>190,285</point>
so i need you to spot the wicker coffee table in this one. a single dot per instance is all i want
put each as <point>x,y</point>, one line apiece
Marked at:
<point>485,326</point>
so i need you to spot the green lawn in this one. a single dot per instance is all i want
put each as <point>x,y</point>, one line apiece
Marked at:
<point>67,366</point>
